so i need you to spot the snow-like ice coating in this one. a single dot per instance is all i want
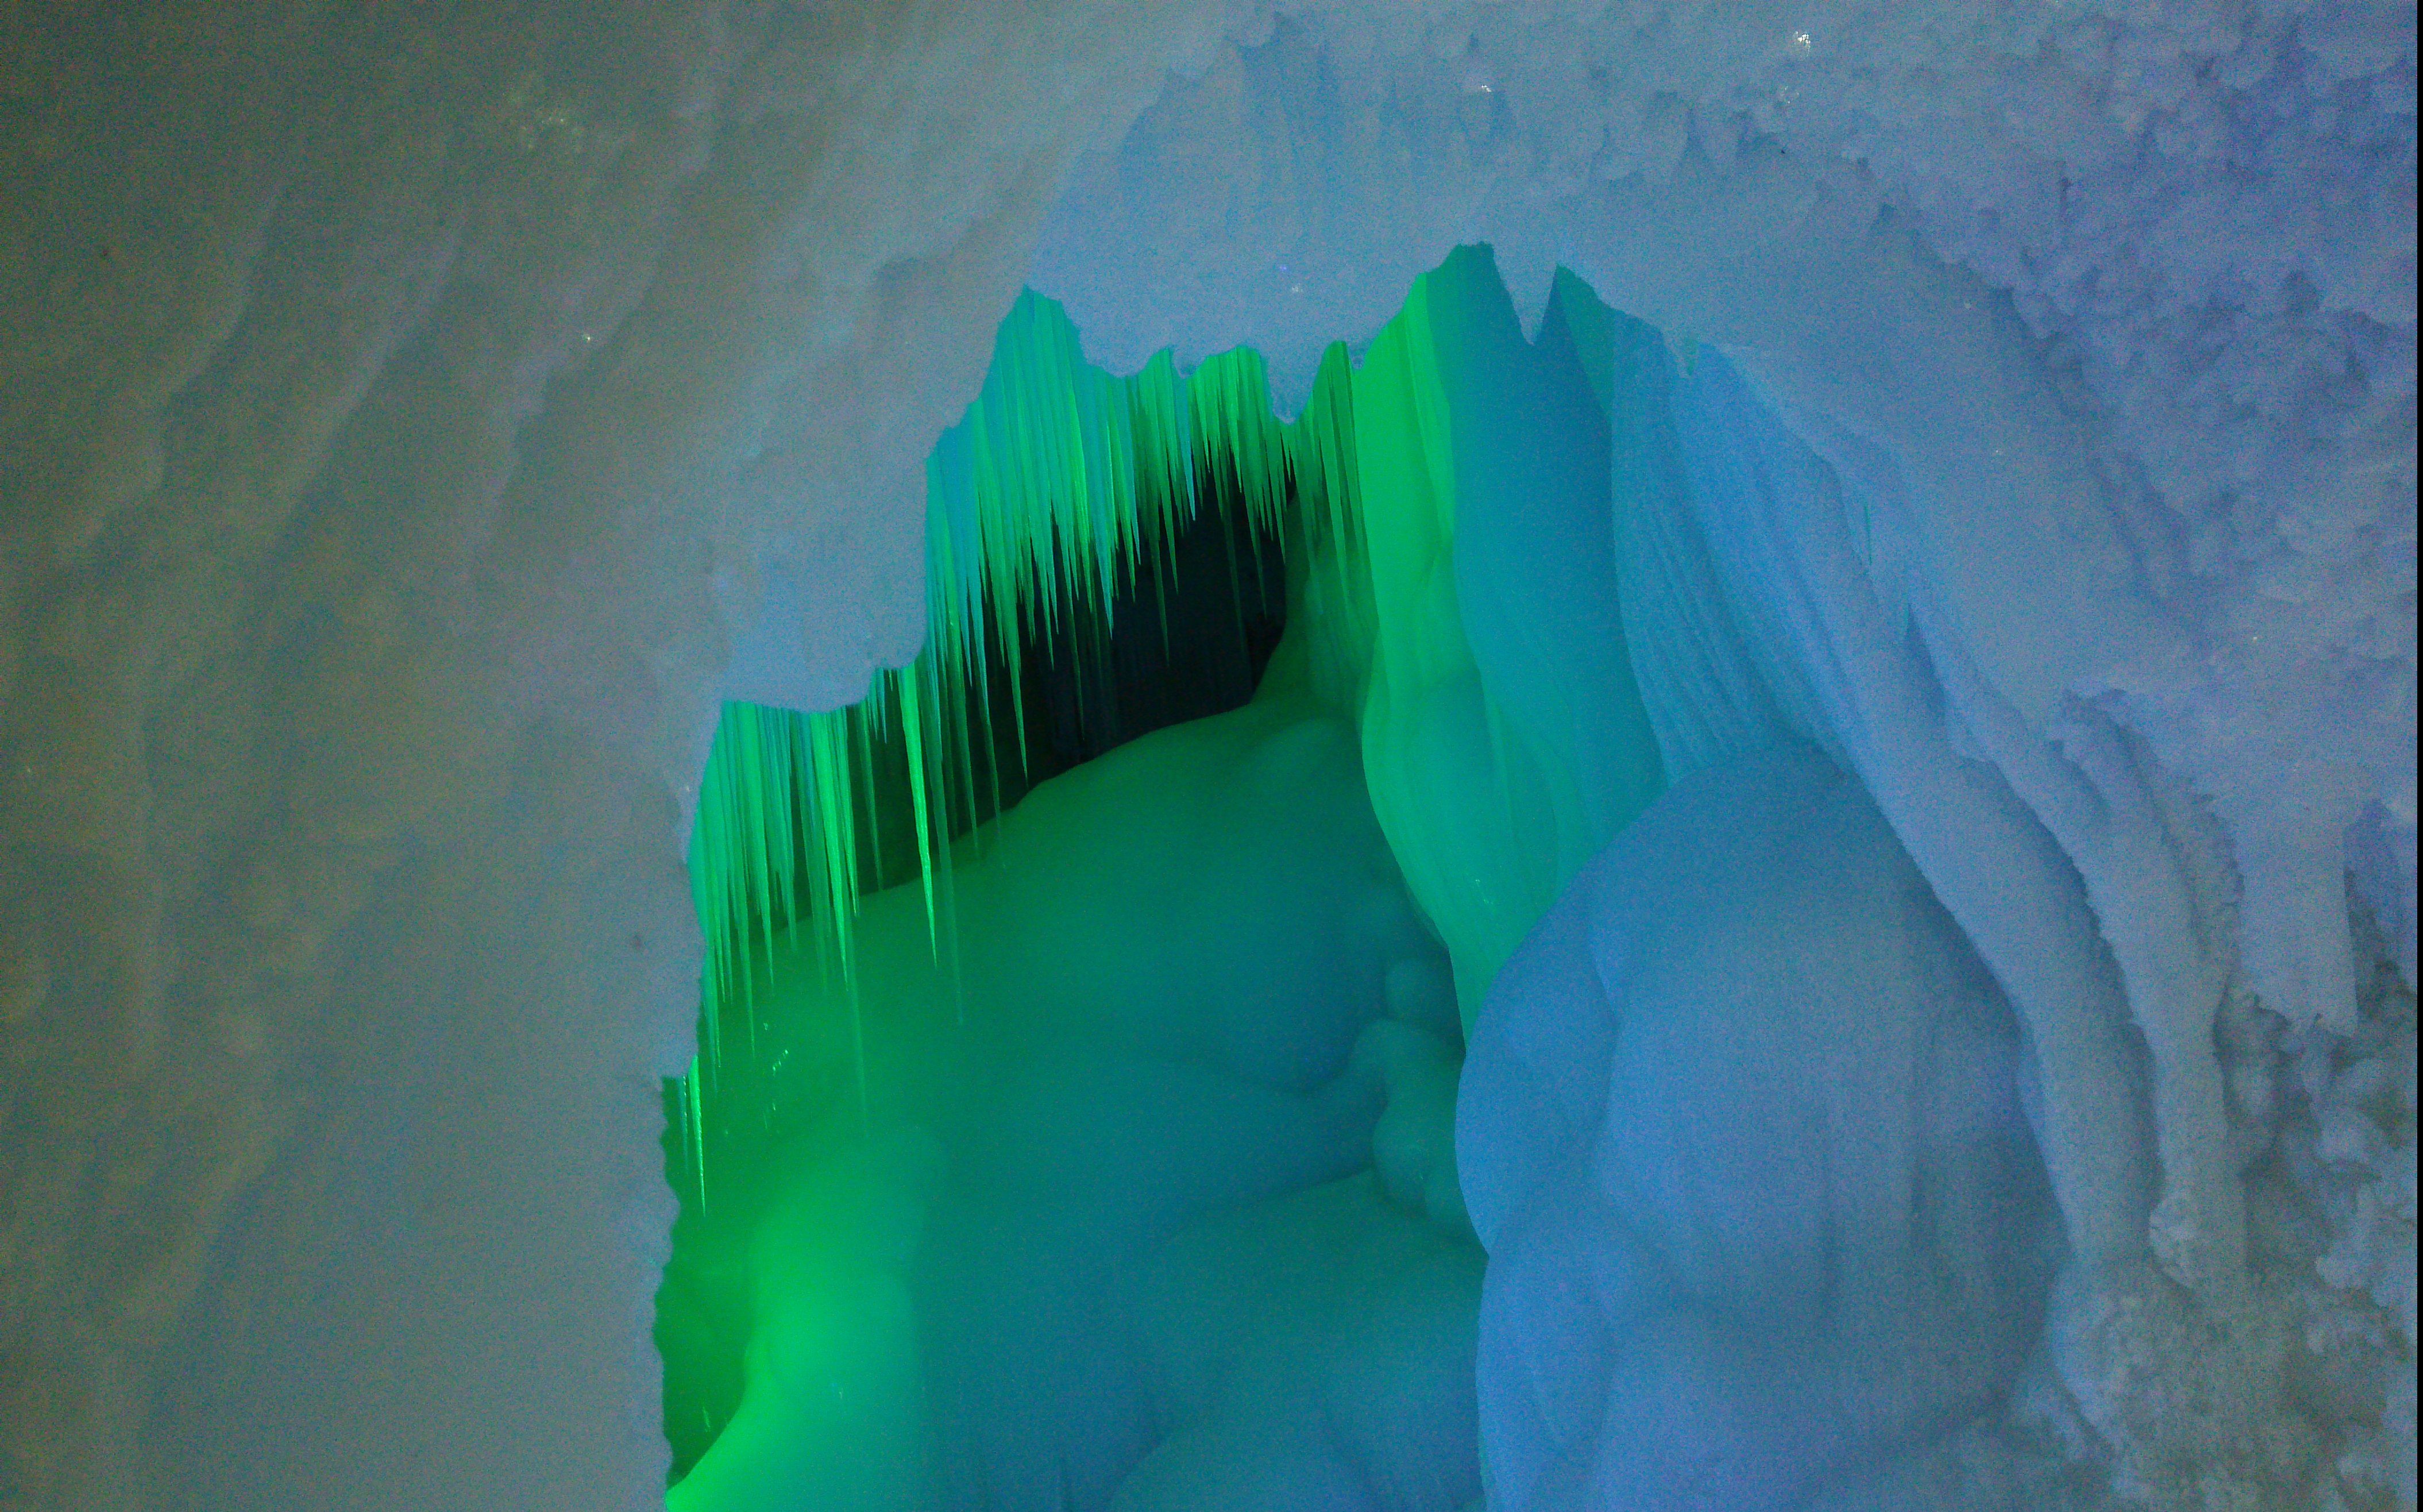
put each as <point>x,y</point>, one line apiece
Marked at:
<point>1740,1128</point>
<point>415,424</point>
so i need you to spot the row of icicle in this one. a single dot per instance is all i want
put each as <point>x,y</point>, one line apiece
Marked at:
<point>1062,483</point>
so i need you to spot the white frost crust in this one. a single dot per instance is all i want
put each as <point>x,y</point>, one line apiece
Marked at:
<point>407,415</point>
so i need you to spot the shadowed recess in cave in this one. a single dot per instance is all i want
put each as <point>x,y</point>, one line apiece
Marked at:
<point>1076,1118</point>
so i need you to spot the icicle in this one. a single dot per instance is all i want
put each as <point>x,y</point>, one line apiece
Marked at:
<point>862,724</point>
<point>694,1128</point>
<point>912,724</point>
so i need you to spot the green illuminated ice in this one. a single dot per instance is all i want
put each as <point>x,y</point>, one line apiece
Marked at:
<point>998,1149</point>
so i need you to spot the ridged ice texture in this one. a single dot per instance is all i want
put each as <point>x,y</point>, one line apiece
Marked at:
<point>438,412</point>
<point>1769,590</point>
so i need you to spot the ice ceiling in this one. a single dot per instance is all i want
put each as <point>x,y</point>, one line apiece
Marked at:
<point>420,420</point>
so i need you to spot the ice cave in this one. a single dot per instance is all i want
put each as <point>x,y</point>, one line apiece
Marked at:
<point>1277,756</point>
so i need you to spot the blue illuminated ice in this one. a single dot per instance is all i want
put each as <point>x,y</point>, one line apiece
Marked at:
<point>1741,1131</point>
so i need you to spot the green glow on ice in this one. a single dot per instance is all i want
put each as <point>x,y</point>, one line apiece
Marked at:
<point>1061,485</point>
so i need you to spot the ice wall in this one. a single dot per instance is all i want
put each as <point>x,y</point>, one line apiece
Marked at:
<point>410,418</point>
<point>2166,254</point>
<point>407,414</point>
<point>2026,446</point>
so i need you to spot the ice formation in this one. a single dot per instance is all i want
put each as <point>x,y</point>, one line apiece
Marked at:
<point>418,423</point>
<point>1120,1013</point>
<point>1171,954</point>
<point>1741,1132</point>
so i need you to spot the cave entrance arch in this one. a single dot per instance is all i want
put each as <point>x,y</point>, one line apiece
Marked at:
<point>1000,1104</point>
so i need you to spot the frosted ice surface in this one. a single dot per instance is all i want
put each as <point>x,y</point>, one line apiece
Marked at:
<point>1741,1131</point>
<point>425,404</point>
<point>2144,275</point>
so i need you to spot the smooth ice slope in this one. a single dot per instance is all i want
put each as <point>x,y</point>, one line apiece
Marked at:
<point>1463,606</point>
<point>1098,1233</point>
<point>1506,739</point>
